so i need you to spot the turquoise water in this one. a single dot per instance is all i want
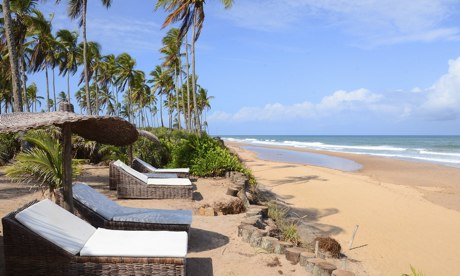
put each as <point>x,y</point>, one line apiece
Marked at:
<point>444,150</point>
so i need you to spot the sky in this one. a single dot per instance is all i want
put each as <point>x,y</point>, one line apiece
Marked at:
<point>304,67</point>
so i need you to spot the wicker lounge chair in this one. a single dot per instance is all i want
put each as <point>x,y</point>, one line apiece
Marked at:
<point>130,183</point>
<point>100,211</point>
<point>42,238</point>
<point>145,167</point>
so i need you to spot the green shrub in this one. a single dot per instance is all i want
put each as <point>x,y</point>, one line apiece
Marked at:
<point>9,146</point>
<point>42,163</point>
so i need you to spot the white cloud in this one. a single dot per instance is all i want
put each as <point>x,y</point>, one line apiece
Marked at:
<point>441,102</point>
<point>376,22</point>
<point>125,34</point>
<point>338,102</point>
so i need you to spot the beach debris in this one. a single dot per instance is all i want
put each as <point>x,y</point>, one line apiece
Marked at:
<point>293,254</point>
<point>207,211</point>
<point>353,237</point>
<point>328,245</point>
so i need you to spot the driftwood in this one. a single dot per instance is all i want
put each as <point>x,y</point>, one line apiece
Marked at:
<point>293,254</point>
<point>280,247</point>
<point>305,256</point>
<point>268,244</point>
<point>323,269</point>
<point>340,272</point>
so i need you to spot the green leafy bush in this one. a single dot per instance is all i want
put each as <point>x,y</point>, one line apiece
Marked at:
<point>9,146</point>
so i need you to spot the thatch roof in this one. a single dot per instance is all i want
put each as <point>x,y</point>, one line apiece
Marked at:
<point>104,129</point>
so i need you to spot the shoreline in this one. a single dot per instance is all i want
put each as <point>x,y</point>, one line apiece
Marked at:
<point>440,188</point>
<point>408,213</point>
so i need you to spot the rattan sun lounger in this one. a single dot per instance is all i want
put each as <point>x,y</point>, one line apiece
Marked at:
<point>100,211</point>
<point>130,183</point>
<point>40,240</point>
<point>142,166</point>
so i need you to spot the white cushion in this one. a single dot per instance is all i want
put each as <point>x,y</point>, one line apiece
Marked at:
<point>153,169</point>
<point>133,172</point>
<point>57,225</point>
<point>169,181</point>
<point>106,242</point>
<point>175,170</point>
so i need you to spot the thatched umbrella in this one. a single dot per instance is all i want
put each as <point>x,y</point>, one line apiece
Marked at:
<point>103,129</point>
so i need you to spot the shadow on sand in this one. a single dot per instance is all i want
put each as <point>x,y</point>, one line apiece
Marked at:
<point>199,267</point>
<point>203,240</point>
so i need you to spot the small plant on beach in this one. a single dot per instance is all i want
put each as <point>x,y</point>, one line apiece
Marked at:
<point>289,233</point>
<point>277,212</point>
<point>414,272</point>
<point>42,163</point>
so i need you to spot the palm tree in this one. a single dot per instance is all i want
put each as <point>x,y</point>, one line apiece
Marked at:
<point>13,56</point>
<point>107,78</point>
<point>41,164</point>
<point>93,61</point>
<point>162,83</point>
<point>43,48</point>
<point>32,96</point>
<point>127,76</point>
<point>68,54</point>
<point>204,103</point>
<point>190,13</point>
<point>77,9</point>
<point>171,50</point>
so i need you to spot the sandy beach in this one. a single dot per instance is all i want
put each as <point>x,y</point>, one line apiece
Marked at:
<point>408,213</point>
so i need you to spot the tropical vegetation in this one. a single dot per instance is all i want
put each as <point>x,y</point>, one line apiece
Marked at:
<point>41,164</point>
<point>110,84</point>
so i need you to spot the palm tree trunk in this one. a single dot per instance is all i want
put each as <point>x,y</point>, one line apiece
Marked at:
<point>13,55</point>
<point>47,90</point>
<point>195,106</point>
<point>177,101</point>
<point>24,84</point>
<point>161,109</point>
<point>97,96</point>
<point>68,87</point>
<point>189,118</point>
<point>54,93</point>
<point>85,61</point>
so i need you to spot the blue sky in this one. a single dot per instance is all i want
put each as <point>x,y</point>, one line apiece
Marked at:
<point>304,66</point>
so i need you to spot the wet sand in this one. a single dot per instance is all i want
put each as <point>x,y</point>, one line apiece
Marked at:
<point>408,213</point>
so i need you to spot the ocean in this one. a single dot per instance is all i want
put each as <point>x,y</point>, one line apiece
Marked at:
<point>443,150</point>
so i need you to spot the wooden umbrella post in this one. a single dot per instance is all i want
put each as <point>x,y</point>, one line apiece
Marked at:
<point>67,166</point>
